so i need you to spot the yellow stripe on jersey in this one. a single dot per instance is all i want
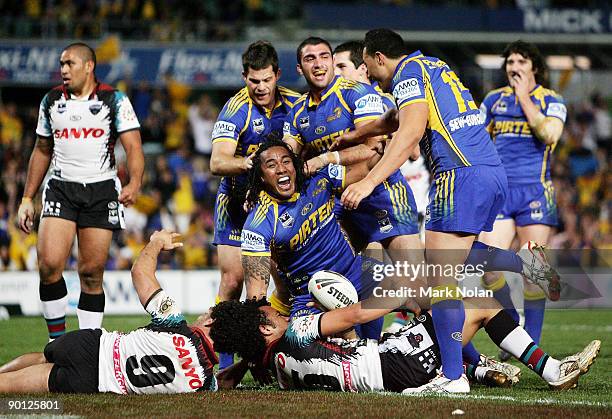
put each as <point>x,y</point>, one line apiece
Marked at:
<point>222,213</point>
<point>410,102</point>
<point>343,102</point>
<point>224,140</point>
<point>236,102</point>
<point>436,121</point>
<point>248,118</point>
<point>247,253</point>
<point>452,191</point>
<point>262,210</point>
<point>366,118</point>
<point>288,92</point>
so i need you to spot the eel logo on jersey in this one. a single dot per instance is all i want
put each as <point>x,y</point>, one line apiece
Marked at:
<point>320,130</point>
<point>321,186</point>
<point>286,220</point>
<point>304,122</point>
<point>407,89</point>
<point>258,125</point>
<point>337,113</point>
<point>306,208</point>
<point>61,108</point>
<point>94,108</point>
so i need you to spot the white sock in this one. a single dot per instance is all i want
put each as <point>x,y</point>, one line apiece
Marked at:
<point>89,319</point>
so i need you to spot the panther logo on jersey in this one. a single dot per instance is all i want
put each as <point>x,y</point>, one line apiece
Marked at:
<point>94,108</point>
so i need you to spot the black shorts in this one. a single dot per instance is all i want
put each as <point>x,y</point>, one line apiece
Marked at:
<point>87,204</point>
<point>75,358</point>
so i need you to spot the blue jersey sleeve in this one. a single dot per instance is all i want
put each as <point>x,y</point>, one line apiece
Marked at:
<point>408,86</point>
<point>555,107</point>
<point>335,175</point>
<point>259,229</point>
<point>365,103</point>
<point>296,119</point>
<point>486,106</point>
<point>232,120</point>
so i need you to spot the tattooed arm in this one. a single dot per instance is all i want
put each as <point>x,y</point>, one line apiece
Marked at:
<point>257,275</point>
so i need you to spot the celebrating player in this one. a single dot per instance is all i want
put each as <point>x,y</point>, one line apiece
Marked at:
<point>293,223</point>
<point>167,356</point>
<point>333,106</point>
<point>78,125</point>
<point>247,119</point>
<point>300,356</point>
<point>525,121</point>
<point>469,181</point>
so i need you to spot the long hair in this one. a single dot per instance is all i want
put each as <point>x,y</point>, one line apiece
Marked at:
<point>255,183</point>
<point>531,52</point>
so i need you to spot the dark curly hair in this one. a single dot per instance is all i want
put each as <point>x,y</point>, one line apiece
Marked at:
<point>236,328</point>
<point>255,184</point>
<point>531,52</point>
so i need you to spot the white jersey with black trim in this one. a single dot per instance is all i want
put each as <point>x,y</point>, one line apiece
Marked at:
<point>164,357</point>
<point>304,360</point>
<point>84,132</point>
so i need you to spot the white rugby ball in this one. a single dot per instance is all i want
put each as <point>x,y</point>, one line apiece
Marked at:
<point>332,290</point>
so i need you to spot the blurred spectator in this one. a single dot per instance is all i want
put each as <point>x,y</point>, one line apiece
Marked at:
<point>202,117</point>
<point>602,122</point>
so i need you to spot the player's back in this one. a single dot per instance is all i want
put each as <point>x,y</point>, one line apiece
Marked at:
<point>326,364</point>
<point>456,135</point>
<point>155,359</point>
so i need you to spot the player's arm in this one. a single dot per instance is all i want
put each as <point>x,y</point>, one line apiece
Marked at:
<point>256,275</point>
<point>224,162</point>
<point>545,128</point>
<point>412,124</point>
<point>40,159</point>
<point>132,144</point>
<point>386,124</point>
<point>143,271</point>
<point>293,143</point>
<point>231,376</point>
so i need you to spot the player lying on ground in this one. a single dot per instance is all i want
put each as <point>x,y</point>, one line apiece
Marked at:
<point>300,356</point>
<point>167,356</point>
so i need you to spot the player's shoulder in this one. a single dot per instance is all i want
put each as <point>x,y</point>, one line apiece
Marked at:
<point>300,102</point>
<point>353,86</point>
<point>551,95</point>
<point>236,103</point>
<point>266,209</point>
<point>54,94</point>
<point>290,95</point>
<point>501,91</point>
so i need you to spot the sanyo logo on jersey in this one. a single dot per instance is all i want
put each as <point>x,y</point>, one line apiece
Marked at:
<point>186,362</point>
<point>406,89</point>
<point>252,241</point>
<point>78,133</point>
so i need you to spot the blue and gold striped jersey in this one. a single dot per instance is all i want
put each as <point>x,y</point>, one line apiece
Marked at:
<point>343,104</point>
<point>302,234</point>
<point>387,98</point>
<point>455,135</point>
<point>242,122</point>
<point>525,158</point>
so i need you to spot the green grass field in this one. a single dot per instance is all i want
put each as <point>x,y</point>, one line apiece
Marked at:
<point>565,332</point>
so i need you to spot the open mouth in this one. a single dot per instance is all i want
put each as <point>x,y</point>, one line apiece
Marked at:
<point>284,183</point>
<point>319,74</point>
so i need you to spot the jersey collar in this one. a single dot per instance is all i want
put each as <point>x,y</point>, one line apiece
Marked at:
<point>407,58</point>
<point>93,94</point>
<point>294,197</point>
<point>325,93</point>
<point>269,351</point>
<point>206,344</point>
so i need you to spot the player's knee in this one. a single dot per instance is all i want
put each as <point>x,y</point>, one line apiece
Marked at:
<point>232,281</point>
<point>49,271</point>
<point>91,277</point>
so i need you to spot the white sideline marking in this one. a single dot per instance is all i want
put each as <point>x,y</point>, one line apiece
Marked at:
<point>514,399</point>
<point>579,327</point>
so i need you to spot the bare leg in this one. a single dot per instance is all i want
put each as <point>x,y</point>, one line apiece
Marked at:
<point>32,379</point>
<point>232,276</point>
<point>24,361</point>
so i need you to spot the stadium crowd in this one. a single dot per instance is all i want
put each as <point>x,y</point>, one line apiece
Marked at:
<point>178,191</point>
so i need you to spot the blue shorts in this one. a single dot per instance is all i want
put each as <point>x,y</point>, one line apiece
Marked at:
<point>228,226</point>
<point>388,212</point>
<point>466,199</point>
<point>531,204</point>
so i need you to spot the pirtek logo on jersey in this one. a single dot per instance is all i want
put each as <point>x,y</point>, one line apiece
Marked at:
<point>78,133</point>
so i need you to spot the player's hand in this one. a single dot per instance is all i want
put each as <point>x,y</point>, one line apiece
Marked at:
<point>168,239</point>
<point>520,83</point>
<point>247,163</point>
<point>129,193</point>
<point>313,165</point>
<point>355,193</point>
<point>346,140</point>
<point>25,215</point>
